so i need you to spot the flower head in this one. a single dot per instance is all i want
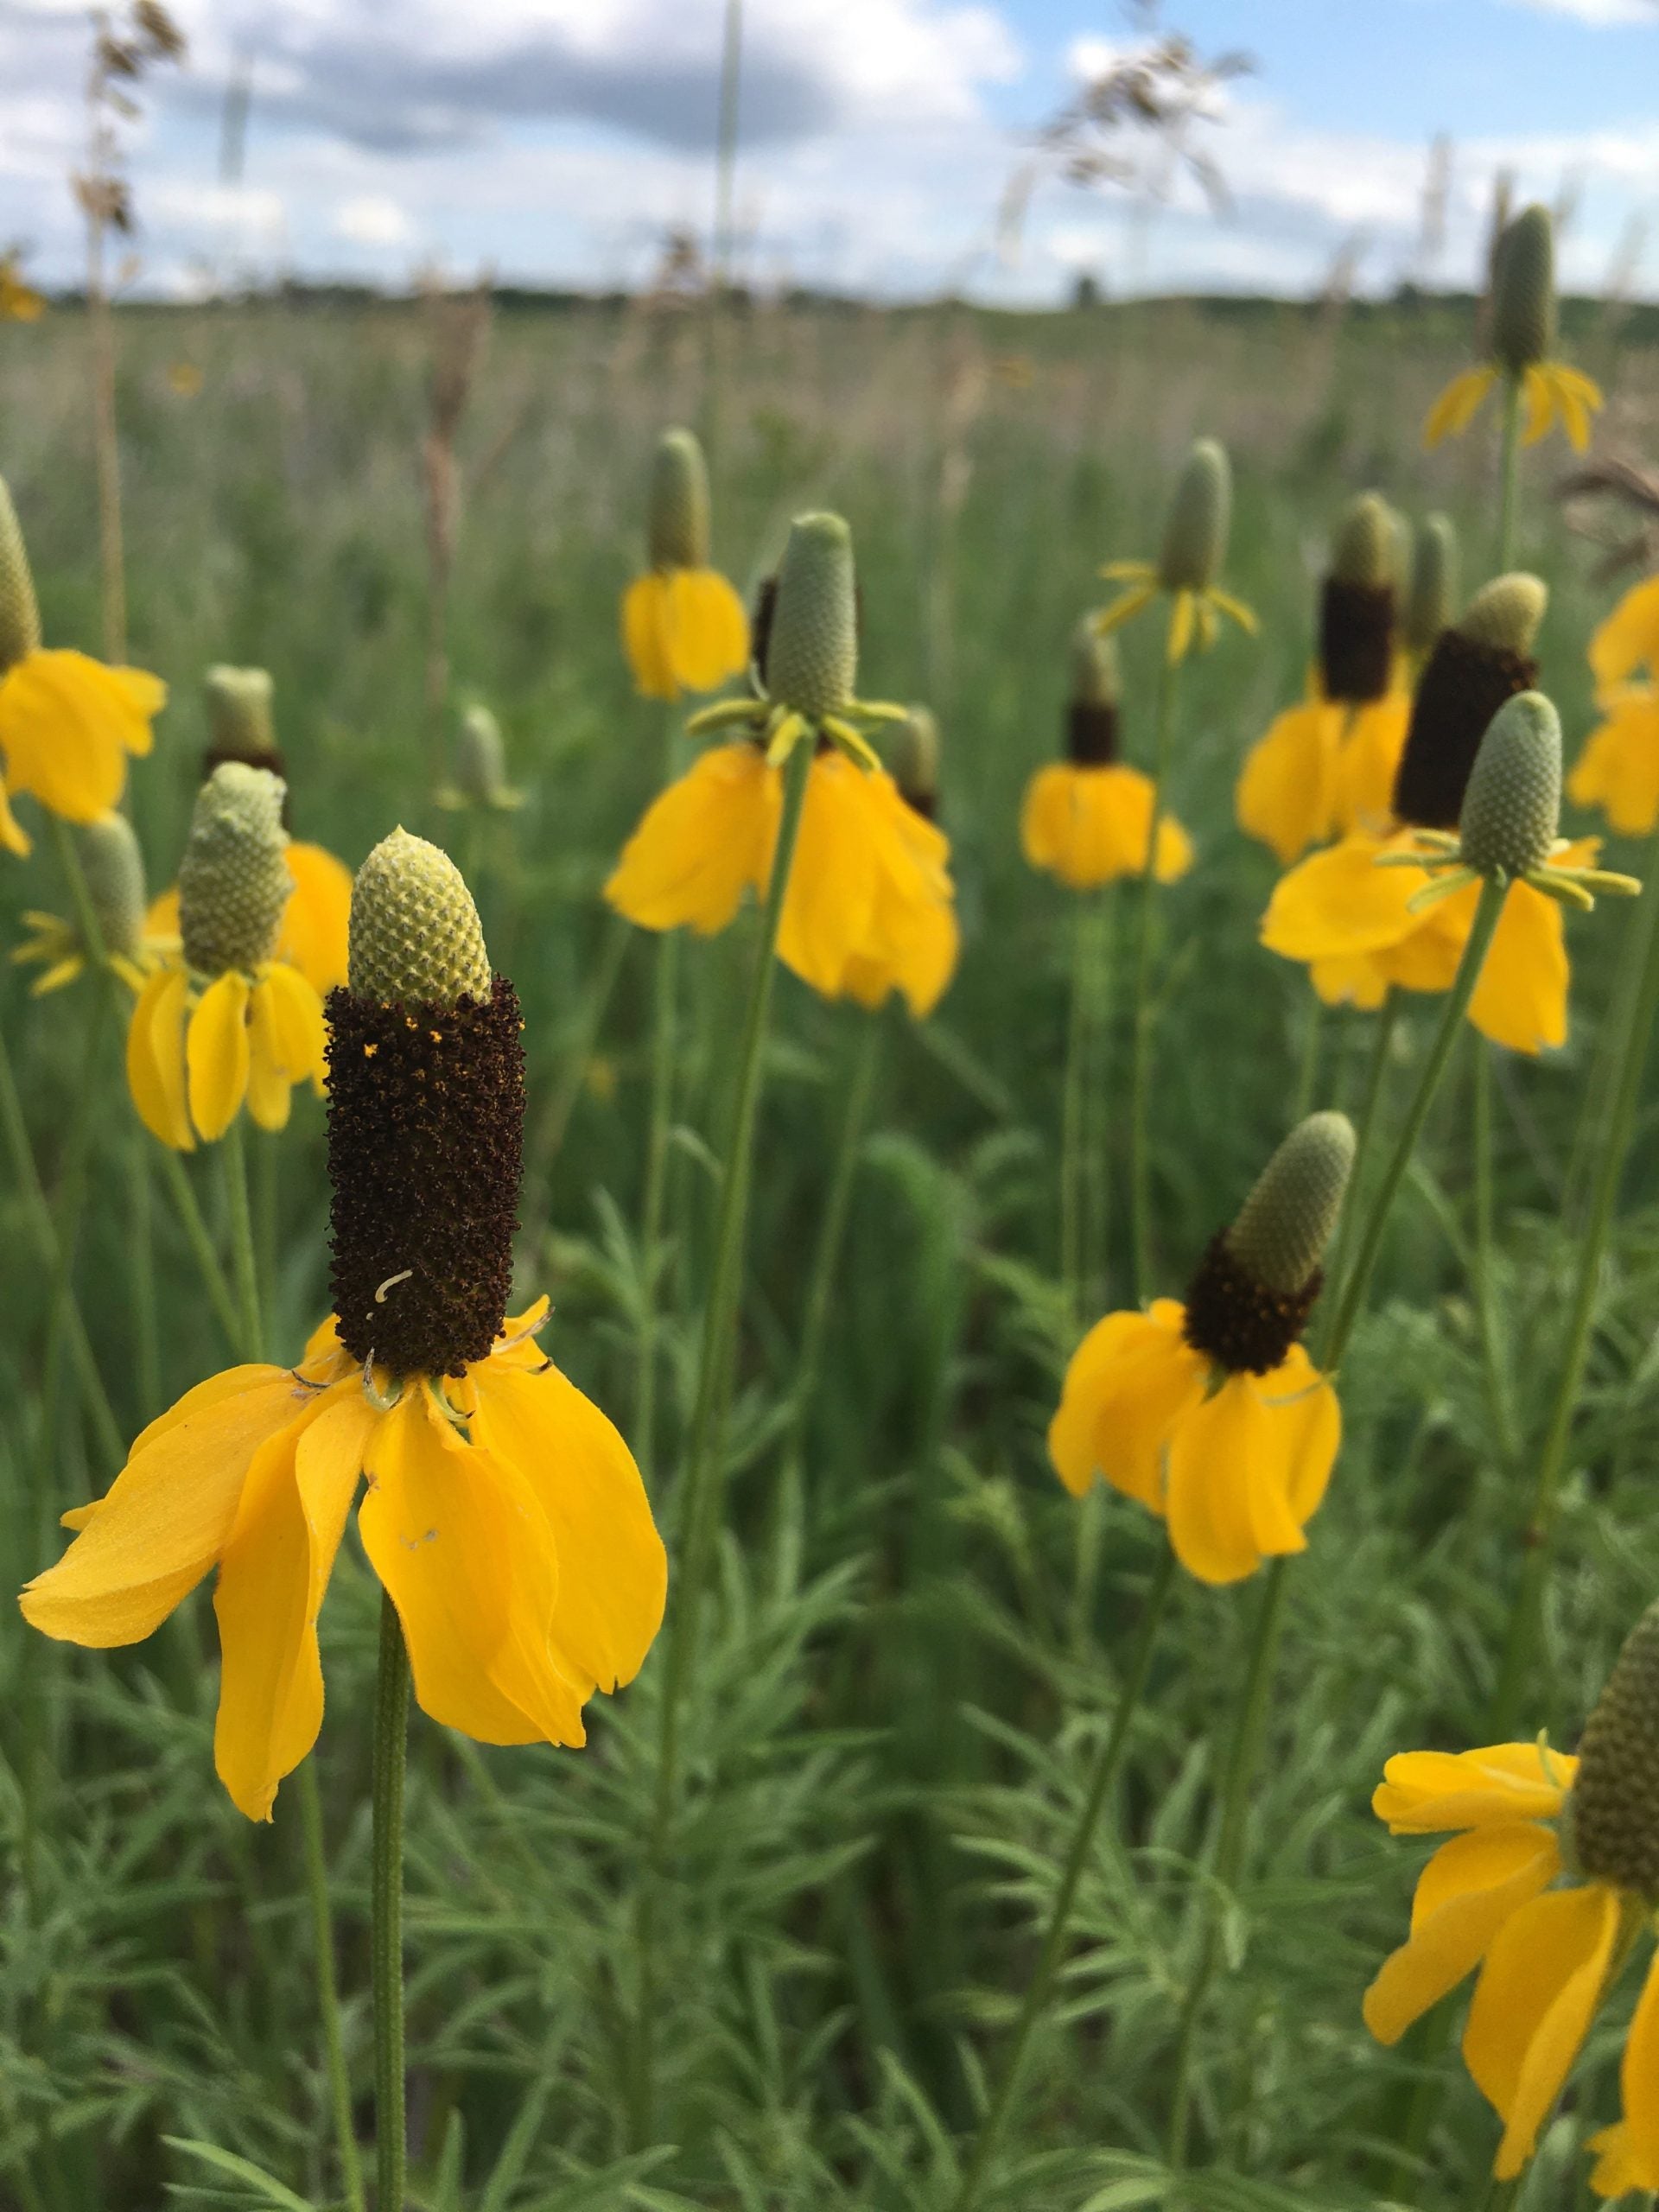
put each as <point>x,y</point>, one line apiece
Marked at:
<point>1548,1884</point>
<point>1190,560</point>
<point>1086,820</point>
<point>113,869</point>
<point>1522,330</point>
<point>480,765</point>
<point>1432,586</point>
<point>1209,1412</point>
<point>67,723</point>
<point>1618,768</point>
<point>224,1021</point>
<point>682,625</point>
<point>503,1512</point>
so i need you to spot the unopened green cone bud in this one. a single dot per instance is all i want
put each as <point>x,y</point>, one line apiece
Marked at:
<point>678,517</point>
<point>233,879</point>
<point>239,713</point>
<point>1503,615</point>
<point>1095,680</point>
<point>1512,809</point>
<point>1614,1805</point>
<point>813,652</point>
<point>1523,291</point>
<point>19,617</point>
<point>1286,1222</point>
<point>1363,550</point>
<point>1434,588</point>
<point>480,758</point>
<point>415,939</point>
<point>1200,515</point>
<point>915,759</point>
<point>114,869</point>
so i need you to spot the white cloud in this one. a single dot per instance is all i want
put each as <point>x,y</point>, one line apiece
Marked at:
<point>1596,12</point>
<point>372,218</point>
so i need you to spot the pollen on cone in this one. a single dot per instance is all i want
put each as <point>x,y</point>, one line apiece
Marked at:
<point>1512,809</point>
<point>1287,1220</point>
<point>233,879</point>
<point>1523,291</point>
<point>1615,1800</point>
<point>812,649</point>
<point>677,508</point>
<point>114,869</point>
<point>1199,518</point>
<point>20,616</point>
<point>415,939</point>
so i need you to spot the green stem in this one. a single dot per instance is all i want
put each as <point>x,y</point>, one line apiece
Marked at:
<point>201,1247</point>
<point>1376,1074</point>
<point>1526,1618</point>
<point>699,1507</point>
<point>1229,1844</point>
<point>1040,1988</point>
<point>141,1265</point>
<point>1487,910</point>
<point>245,1266</point>
<point>1481,1284</point>
<point>322,1933</point>
<point>386,1910</point>
<point>1142,1003</point>
<point>664,1025</point>
<point>1308,1071</point>
<point>1082,1229</point>
<point>71,1209</point>
<point>1508,473</point>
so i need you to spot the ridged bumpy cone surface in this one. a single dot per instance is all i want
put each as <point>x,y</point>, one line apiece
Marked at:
<point>238,712</point>
<point>19,617</point>
<point>1523,291</point>
<point>1512,809</point>
<point>114,868</point>
<point>1199,518</point>
<point>1504,615</point>
<point>480,758</point>
<point>416,938</point>
<point>1286,1222</point>
<point>678,509</point>
<point>915,758</point>
<point>1096,677</point>
<point>1615,1799</point>
<point>1363,550</point>
<point>233,879</point>
<point>1433,586</point>
<point>812,650</point>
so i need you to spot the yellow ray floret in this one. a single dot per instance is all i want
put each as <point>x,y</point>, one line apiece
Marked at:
<point>68,726</point>
<point>312,934</point>
<point>197,1052</point>
<point>1087,825</point>
<point>1553,392</point>
<point>684,630</point>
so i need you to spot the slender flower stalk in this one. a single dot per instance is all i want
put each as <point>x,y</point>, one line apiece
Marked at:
<point>1082,1232</point>
<point>1142,1004</point>
<point>387,1909</point>
<point>323,1936</point>
<point>664,1025</point>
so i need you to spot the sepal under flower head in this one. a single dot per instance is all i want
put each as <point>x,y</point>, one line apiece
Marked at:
<point>1614,1807</point>
<point>233,879</point>
<point>20,614</point>
<point>414,935</point>
<point>1257,1283</point>
<point>678,505</point>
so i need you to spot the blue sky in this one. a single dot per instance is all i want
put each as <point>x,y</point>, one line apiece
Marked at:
<point>559,141</point>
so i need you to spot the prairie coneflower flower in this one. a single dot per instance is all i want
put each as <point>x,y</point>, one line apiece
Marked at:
<point>503,1514</point>
<point>480,767</point>
<point>1548,1884</point>
<point>869,874</point>
<point>67,722</point>
<point>311,937</point>
<point>1361,928</point>
<point>1208,1411</point>
<point>1431,587</point>
<point>1195,545</point>
<point>1086,819</point>
<point>1328,766</point>
<point>224,1020</point>
<point>113,869</point>
<point>1618,769</point>
<point>19,300</point>
<point>1523,341</point>
<point>683,624</point>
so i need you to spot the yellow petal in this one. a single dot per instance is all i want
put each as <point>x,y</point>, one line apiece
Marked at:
<point>1124,609</point>
<point>1424,1791</point>
<point>269,1092</point>
<point>298,1031</point>
<point>1235,610</point>
<point>1368,761</point>
<point>216,1054</point>
<point>708,632</point>
<point>13,836</point>
<point>1130,1382</point>
<point>1534,2003</point>
<point>156,1058</point>
<point>1339,902</point>
<point>1287,787</point>
<point>1350,979</point>
<point>162,919</point>
<point>831,901</point>
<point>612,1570</point>
<point>1541,404</point>
<point>1307,1419</point>
<point>460,1542</point>
<point>167,1514</point>
<point>1628,639</point>
<point>66,726</point>
<point>912,940</point>
<point>701,843</point>
<point>1226,1501</point>
<point>645,636</point>
<point>1520,998</point>
<point>1468,1890</point>
<point>1179,640</point>
<point>1455,409</point>
<point>313,937</point>
<point>1618,768</point>
<point>1638,2074</point>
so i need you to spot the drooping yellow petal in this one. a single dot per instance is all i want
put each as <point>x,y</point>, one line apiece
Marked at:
<point>831,901</point>
<point>1520,998</point>
<point>1307,1418</point>
<point>269,1092</point>
<point>1533,2005</point>
<point>1234,609</point>
<point>1630,2152</point>
<point>1576,400</point>
<point>1539,395</point>
<point>313,937</point>
<point>1350,979</point>
<point>1287,788</point>
<point>297,1028</point>
<point>913,941</point>
<point>1423,1792</point>
<point>15,838</point>
<point>1368,761</point>
<point>156,1058</point>
<point>612,1570</point>
<point>1125,609</point>
<point>460,1540</point>
<point>1468,1890</point>
<point>1339,902</point>
<point>1130,1382</point>
<point>1618,769</point>
<point>1087,826</point>
<point>1456,408</point>
<point>1628,639</point>
<point>216,1054</point>
<point>1179,643</point>
<point>271,1580</point>
<point>701,843</point>
<point>646,636</point>
<point>1217,1459</point>
<point>167,1514</point>
<point>68,724</point>
<point>707,632</point>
